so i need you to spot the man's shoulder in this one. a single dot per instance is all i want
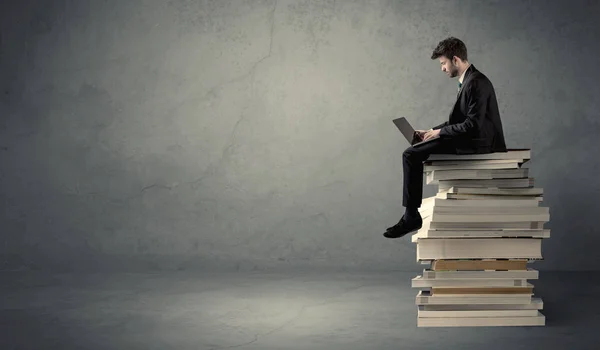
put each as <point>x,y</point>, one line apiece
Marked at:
<point>479,75</point>
<point>480,80</point>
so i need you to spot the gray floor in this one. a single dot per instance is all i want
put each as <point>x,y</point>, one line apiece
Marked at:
<point>299,310</point>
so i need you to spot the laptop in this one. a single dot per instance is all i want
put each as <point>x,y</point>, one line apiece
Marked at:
<point>409,133</point>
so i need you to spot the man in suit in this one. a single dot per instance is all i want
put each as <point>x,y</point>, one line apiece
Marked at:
<point>474,126</point>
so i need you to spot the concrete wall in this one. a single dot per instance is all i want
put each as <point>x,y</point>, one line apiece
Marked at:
<point>178,134</point>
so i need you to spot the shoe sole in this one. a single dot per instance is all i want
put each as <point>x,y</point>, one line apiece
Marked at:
<point>409,232</point>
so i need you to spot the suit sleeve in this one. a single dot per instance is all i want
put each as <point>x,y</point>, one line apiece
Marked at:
<point>477,96</point>
<point>440,126</point>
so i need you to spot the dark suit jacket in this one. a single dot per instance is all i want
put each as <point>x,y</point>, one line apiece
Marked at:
<point>474,125</point>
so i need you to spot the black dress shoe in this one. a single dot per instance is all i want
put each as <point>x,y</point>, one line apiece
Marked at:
<point>404,227</point>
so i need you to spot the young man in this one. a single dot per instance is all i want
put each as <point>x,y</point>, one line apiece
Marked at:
<point>474,126</point>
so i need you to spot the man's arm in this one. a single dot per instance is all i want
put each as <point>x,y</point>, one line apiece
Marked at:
<point>477,97</point>
<point>439,126</point>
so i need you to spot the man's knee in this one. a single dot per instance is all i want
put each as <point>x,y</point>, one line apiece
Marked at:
<point>411,153</point>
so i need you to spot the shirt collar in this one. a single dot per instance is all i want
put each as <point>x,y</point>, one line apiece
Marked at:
<point>462,76</point>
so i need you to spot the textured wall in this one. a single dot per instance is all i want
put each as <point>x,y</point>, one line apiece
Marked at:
<point>250,134</point>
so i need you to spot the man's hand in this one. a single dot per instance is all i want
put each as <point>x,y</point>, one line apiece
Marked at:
<point>421,133</point>
<point>431,133</point>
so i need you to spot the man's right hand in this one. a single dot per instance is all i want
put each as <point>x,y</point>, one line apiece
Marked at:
<point>421,133</point>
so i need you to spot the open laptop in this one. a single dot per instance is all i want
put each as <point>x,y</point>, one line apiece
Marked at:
<point>409,133</point>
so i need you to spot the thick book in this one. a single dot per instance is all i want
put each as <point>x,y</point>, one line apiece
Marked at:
<point>486,202</point>
<point>431,274</point>
<point>435,176</point>
<point>425,297</point>
<point>463,162</point>
<point>500,164</point>
<point>538,320</point>
<point>479,248</point>
<point>485,197</point>
<point>468,224</point>
<point>421,312</point>
<point>535,303</point>
<point>487,225</point>
<point>482,290</point>
<point>514,153</point>
<point>484,214</point>
<point>488,183</point>
<point>531,191</point>
<point>489,210</point>
<point>423,282</point>
<point>479,265</point>
<point>477,233</point>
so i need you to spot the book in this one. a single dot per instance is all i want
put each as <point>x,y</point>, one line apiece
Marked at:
<point>468,162</point>
<point>479,248</point>
<point>479,265</point>
<point>423,282</point>
<point>446,195</point>
<point>507,165</point>
<point>538,320</point>
<point>519,183</point>
<point>422,312</point>
<point>491,201</point>
<point>532,191</point>
<point>486,225</point>
<point>514,153</point>
<point>441,215</point>
<point>482,290</point>
<point>480,233</point>
<point>426,298</point>
<point>535,303</point>
<point>436,176</point>
<point>527,273</point>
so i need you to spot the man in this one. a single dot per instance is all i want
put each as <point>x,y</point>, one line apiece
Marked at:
<point>474,126</point>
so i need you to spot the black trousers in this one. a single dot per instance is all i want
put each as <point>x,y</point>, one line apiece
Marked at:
<point>412,163</point>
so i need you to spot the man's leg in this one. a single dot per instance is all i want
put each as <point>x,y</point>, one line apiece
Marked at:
<point>412,162</point>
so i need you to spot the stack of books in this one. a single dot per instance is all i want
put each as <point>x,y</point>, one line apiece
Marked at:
<point>480,231</point>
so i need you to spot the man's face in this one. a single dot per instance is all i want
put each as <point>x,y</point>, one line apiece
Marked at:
<point>448,67</point>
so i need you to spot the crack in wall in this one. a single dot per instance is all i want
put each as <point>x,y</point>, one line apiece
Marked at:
<point>212,167</point>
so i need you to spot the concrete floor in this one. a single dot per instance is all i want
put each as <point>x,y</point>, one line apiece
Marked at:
<point>253,310</point>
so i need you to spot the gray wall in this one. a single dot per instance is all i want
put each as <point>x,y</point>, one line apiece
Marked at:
<point>142,135</point>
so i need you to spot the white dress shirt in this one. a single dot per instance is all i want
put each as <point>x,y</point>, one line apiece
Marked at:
<point>462,76</point>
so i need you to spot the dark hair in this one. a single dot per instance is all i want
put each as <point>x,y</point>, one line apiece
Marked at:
<point>450,47</point>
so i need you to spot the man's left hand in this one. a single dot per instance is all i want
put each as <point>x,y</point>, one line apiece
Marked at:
<point>430,134</point>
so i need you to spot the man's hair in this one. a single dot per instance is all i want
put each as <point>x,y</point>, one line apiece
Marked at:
<point>450,47</point>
